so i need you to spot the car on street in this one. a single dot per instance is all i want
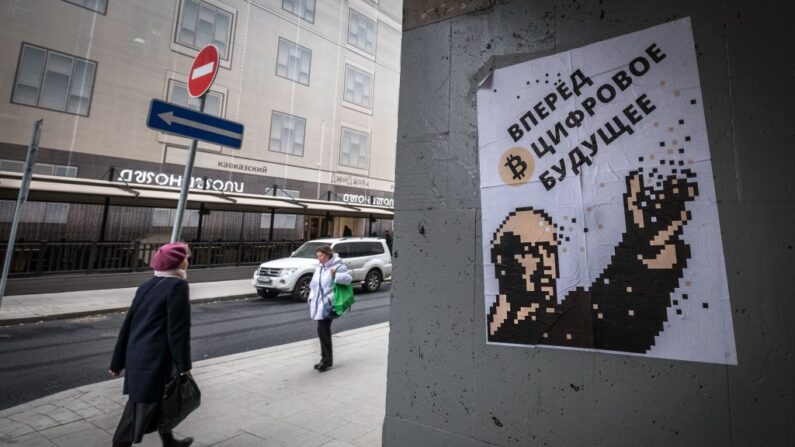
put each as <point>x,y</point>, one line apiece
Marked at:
<point>367,258</point>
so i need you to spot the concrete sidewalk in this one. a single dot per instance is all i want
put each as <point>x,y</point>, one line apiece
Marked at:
<point>267,397</point>
<point>47,306</point>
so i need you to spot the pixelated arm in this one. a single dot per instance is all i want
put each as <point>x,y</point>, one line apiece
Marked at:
<point>631,297</point>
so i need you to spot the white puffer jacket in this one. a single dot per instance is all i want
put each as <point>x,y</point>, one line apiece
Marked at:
<point>320,288</point>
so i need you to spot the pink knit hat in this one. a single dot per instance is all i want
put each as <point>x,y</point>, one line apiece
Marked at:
<point>169,256</point>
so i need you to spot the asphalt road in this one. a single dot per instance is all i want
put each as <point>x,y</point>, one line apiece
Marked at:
<point>44,358</point>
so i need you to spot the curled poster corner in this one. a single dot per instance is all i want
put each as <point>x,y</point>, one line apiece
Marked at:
<point>485,75</point>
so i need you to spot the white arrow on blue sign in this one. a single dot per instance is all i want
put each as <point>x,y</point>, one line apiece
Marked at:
<point>185,122</point>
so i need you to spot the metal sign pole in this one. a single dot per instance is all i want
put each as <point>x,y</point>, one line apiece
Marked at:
<point>270,231</point>
<point>24,186</point>
<point>186,177</point>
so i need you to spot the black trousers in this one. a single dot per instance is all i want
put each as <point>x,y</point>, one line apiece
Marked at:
<point>324,334</point>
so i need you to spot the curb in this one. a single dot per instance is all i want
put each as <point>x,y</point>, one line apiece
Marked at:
<point>108,310</point>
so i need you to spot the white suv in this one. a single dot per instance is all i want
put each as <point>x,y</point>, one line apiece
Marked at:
<point>367,258</point>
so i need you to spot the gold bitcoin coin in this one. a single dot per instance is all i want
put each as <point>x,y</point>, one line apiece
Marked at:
<point>516,166</point>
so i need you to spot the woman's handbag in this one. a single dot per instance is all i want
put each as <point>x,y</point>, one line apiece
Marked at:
<point>342,298</point>
<point>180,398</point>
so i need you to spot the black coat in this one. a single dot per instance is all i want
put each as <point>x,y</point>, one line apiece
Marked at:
<point>154,341</point>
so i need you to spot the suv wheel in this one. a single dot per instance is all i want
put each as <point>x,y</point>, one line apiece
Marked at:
<point>266,293</point>
<point>372,282</point>
<point>301,290</point>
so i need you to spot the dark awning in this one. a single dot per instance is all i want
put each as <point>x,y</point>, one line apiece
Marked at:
<point>45,188</point>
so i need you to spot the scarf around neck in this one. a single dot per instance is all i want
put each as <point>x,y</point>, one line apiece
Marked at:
<point>173,273</point>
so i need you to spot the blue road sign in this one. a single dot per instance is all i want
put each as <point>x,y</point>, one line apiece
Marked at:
<point>177,120</point>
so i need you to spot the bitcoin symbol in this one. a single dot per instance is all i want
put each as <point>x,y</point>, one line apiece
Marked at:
<point>516,166</point>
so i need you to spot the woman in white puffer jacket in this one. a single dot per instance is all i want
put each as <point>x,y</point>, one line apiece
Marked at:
<point>330,270</point>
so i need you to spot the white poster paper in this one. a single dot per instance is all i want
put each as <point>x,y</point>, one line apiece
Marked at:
<point>600,227</point>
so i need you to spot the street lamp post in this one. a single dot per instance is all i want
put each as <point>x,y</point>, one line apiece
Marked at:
<point>24,186</point>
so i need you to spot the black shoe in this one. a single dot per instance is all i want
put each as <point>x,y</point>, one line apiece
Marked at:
<point>170,441</point>
<point>179,442</point>
<point>318,365</point>
<point>324,367</point>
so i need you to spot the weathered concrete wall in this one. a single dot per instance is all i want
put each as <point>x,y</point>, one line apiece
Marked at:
<point>446,387</point>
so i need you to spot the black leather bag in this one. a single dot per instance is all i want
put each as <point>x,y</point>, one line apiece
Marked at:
<point>180,398</point>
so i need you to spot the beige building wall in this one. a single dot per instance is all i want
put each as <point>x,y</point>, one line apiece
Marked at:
<point>136,54</point>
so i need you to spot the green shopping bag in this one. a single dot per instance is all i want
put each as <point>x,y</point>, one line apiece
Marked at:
<point>343,298</point>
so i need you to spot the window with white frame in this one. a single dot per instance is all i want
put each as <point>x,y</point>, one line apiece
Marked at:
<point>13,166</point>
<point>39,168</point>
<point>293,61</point>
<point>53,80</point>
<point>201,24</point>
<point>357,86</point>
<point>353,148</point>
<point>178,94</point>
<point>361,32</point>
<point>100,6</point>
<point>65,171</point>
<point>37,212</point>
<point>287,134</point>
<point>304,9</point>
<point>165,217</point>
<point>280,221</point>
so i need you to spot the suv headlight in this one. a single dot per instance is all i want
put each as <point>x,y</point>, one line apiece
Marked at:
<point>256,272</point>
<point>287,272</point>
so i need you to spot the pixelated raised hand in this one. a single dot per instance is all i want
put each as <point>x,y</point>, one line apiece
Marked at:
<point>656,215</point>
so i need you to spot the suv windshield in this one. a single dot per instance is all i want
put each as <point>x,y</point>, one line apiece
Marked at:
<point>307,250</point>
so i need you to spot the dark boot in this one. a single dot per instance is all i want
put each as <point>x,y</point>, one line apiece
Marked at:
<point>170,441</point>
<point>122,444</point>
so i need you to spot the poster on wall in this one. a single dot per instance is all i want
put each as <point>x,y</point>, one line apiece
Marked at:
<point>600,225</point>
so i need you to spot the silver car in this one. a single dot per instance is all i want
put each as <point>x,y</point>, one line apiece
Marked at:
<point>367,258</point>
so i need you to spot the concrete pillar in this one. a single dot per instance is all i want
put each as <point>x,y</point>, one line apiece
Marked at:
<point>446,387</point>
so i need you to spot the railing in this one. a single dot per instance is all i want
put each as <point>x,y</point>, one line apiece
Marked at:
<point>43,258</point>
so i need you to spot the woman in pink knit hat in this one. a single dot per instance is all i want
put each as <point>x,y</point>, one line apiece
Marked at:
<point>154,346</point>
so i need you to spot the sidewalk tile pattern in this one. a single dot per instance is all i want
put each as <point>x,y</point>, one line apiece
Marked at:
<point>48,305</point>
<point>271,397</point>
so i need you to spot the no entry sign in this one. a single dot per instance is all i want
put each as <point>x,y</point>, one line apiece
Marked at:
<point>203,71</point>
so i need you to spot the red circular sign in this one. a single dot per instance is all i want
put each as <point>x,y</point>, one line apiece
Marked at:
<point>202,72</point>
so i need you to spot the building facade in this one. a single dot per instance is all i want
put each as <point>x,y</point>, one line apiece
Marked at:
<point>315,82</point>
